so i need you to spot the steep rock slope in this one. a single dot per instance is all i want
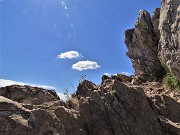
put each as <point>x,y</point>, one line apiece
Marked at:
<point>169,45</point>
<point>154,44</point>
<point>142,43</point>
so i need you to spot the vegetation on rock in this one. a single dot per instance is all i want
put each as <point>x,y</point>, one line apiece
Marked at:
<point>171,81</point>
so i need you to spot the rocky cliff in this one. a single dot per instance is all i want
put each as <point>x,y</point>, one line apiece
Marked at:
<point>169,44</point>
<point>154,44</point>
<point>142,43</point>
<point>120,105</point>
<point>115,107</point>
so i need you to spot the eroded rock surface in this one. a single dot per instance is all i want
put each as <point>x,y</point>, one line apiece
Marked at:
<point>28,95</point>
<point>112,108</point>
<point>154,43</point>
<point>142,43</point>
<point>169,45</point>
<point>120,105</point>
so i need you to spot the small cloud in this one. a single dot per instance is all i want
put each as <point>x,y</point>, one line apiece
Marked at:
<point>107,74</point>
<point>62,96</point>
<point>43,86</point>
<point>125,73</point>
<point>4,82</point>
<point>85,65</point>
<point>69,55</point>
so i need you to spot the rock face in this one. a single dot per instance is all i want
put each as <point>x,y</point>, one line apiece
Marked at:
<point>28,95</point>
<point>116,106</point>
<point>154,44</point>
<point>169,45</point>
<point>16,120</point>
<point>112,108</point>
<point>142,43</point>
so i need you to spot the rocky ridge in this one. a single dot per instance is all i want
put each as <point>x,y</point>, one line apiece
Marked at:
<point>112,108</point>
<point>29,95</point>
<point>154,44</point>
<point>120,105</point>
<point>169,44</point>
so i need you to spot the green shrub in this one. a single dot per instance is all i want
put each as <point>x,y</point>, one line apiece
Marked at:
<point>170,81</point>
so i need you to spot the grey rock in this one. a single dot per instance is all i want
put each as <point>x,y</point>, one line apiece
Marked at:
<point>28,95</point>
<point>169,45</point>
<point>155,21</point>
<point>142,43</point>
<point>121,110</point>
<point>84,89</point>
<point>115,107</point>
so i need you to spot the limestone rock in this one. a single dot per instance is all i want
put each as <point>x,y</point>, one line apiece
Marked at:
<point>112,108</point>
<point>119,112</point>
<point>116,106</point>
<point>13,117</point>
<point>42,122</point>
<point>85,88</point>
<point>122,78</point>
<point>16,120</point>
<point>169,45</point>
<point>28,95</point>
<point>71,120</point>
<point>142,43</point>
<point>155,21</point>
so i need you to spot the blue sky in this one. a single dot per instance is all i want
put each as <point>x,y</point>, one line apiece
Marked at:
<point>35,34</point>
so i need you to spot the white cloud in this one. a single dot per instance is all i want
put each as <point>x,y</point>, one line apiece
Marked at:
<point>125,73</point>
<point>4,82</point>
<point>85,65</point>
<point>43,86</point>
<point>69,55</point>
<point>107,74</point>
<point>62,96</point>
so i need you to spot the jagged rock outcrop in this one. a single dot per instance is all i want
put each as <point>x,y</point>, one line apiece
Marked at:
<point>112,108</point>
<point>154,43</point>
<point>17,120</point>
<point>169,45</point>
<point>28,95</point>
<point>120,105</point>
<point>142,43</point>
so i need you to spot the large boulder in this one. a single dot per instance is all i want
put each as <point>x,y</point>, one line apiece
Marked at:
<point>169,45</point>
<point>28,95</point>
